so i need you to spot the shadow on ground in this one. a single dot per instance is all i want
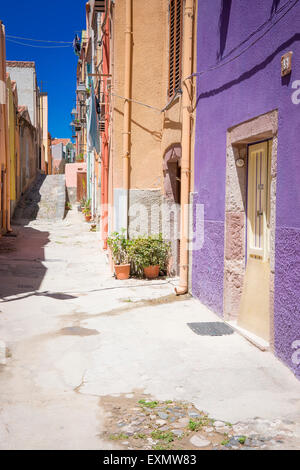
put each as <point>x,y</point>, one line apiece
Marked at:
<point>21,256</point>
<point>28,207</point>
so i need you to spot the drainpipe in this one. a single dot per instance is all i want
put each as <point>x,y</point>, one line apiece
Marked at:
<point>187,66</point>
<point>127,107</point>
<point>105,141</point>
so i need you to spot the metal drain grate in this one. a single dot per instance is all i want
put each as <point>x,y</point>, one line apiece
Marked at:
<point>211,329</point>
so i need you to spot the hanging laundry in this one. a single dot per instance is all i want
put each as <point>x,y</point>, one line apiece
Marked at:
<point>98,107</point>
<point>93,137</point>
<point>77,45</point>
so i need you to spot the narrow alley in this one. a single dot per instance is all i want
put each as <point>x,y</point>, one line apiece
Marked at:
<point>150,228</point>
<point>83,349</point>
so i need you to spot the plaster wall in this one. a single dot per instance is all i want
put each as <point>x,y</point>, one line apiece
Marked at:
<point>71,170</point>
<point>27,155</point>
<point>147,87</point>
<point>25,76</point>
<point>249,86</point>
<point>12,125</point>
<point>58,152</point>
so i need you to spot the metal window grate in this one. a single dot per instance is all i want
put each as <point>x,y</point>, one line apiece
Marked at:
<point>175,52</point>
<point>211,329</point>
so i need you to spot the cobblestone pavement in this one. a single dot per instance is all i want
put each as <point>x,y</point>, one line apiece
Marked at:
<point>88,362</point>
<point>137,421</point>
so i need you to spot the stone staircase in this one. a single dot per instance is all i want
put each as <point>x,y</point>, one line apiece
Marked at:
<point>44,199</point>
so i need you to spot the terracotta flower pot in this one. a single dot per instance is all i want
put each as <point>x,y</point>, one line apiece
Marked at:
<point>151,272</point>
<point>88,217</point>
<point>122,271</point>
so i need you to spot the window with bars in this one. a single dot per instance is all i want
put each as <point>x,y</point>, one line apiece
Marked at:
<point>175,46</point>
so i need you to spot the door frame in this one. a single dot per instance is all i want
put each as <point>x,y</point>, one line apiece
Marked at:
<point>269,142</point>
<point>260,128</point>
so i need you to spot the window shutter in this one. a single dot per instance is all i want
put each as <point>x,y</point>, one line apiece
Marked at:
<point>99,6</point>
<point>176,14</point>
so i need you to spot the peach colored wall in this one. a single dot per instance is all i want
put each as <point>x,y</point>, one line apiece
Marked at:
<point>149,85</point>
<point>152,132</point>
<point>71,170</point>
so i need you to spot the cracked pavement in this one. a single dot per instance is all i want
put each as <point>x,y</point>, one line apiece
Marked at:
<point>75,335</point>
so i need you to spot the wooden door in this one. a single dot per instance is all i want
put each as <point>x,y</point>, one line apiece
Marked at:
<point>81,185</point>
<point>258,213</point>
<point>254,313</point>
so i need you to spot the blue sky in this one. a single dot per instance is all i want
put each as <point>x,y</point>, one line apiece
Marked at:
<point>57,20</point>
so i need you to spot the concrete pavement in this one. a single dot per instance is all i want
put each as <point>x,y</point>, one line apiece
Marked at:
<point>76,335</point>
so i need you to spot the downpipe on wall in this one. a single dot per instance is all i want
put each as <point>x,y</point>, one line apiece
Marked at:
<point>127,109</point>
<point>187,66</point>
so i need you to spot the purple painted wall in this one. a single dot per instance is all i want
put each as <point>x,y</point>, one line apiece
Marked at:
<point>249,86</point>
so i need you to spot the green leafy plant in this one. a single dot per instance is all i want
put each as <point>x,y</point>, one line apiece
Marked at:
<point>68,206</point>
<point>164,436</point>
<point>116,437</point>
<point>80,157</point>
<point>198,423</point>
<point>225,442</point>
<point>149,251</point>
<point>82,204</point>
<point>148,404</point>
<point>119,245</point>
<point>162,447</point>
<point>140,436</point>
<point>87,207</point>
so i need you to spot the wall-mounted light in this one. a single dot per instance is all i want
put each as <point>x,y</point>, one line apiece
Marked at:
<point>240,162</point>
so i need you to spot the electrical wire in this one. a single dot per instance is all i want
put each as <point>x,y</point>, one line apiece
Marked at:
<point>209,69</point>
<point>137,102</point>
<point>256,31</point>
<point>38,40</point>
<point>222,64</point>
<point>33,45</point>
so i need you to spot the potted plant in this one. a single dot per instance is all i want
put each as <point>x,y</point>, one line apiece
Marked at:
<point>150,255</point>
<point>80,158</point>
<point>118,244</point>
<point>82,204</point>
<point>77,125</point>
<point>87,210</point>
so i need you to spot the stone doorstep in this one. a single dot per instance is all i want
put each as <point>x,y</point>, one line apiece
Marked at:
<point>260,343</point>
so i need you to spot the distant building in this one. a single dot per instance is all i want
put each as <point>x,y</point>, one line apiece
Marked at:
<point>24,74</point>
<point>59,161</point>
<point>68,149</point>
